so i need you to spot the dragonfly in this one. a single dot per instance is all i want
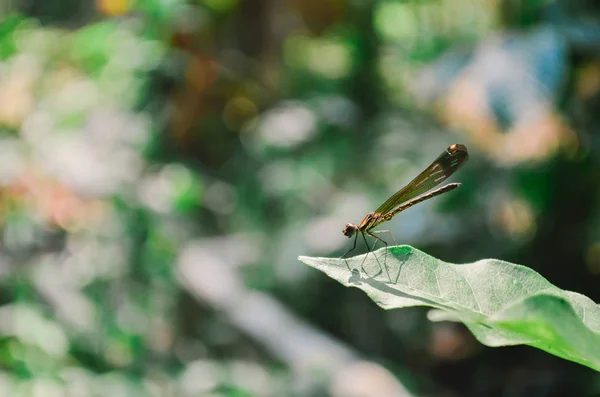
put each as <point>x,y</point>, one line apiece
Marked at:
<point>416,191</point>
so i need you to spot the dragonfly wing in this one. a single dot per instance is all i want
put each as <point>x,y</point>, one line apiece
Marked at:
<point>441,169</point>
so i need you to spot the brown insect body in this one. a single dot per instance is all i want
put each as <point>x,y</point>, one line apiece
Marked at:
<point>371,220</point>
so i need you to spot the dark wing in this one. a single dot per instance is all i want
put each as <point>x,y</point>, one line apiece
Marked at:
<point>441,169</point>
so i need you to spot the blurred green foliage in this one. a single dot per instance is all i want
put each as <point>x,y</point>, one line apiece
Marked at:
<point>163,163</point>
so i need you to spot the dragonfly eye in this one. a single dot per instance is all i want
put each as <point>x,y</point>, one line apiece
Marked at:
<point>349,230</point>
<point>456,148</point>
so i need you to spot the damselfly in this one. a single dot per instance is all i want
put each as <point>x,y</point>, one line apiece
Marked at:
<point>416,191</point>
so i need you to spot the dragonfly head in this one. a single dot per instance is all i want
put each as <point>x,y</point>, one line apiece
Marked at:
<point>350,229</point>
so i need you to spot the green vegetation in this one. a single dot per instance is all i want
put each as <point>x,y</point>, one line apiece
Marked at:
<point>164,163</point>
<point>501,303</point>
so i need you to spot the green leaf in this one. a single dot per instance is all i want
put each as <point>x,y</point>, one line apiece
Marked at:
<point>500,302</point>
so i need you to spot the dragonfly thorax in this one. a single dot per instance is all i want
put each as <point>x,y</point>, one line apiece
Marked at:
<point>350,229</point>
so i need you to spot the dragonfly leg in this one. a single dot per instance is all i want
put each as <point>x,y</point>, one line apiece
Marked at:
<point>349,251</point>
<point>372,234</point>
<point>377,259</point>
<point>385,231</point>
<point>365,258</point>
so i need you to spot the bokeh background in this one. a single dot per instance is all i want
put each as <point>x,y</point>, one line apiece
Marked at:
<point>164,162</point>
